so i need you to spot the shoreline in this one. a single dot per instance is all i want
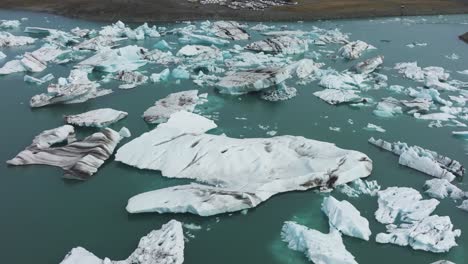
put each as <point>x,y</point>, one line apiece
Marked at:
<point>137,11</point>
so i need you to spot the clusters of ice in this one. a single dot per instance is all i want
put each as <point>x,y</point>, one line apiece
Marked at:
<point>423,160</point>
<point>317,246</point>
<point>35,61</point>
<point>280,92</point>
<point>247,171</point>
<point>410,222</point>
<point>344,217</point>
<point>441,188</point>
<point>359,187</point>
<point>10,40</point>
<point>77,88</point>
<point>174,102</point>
<point>281,44</point>
<point>163,246</point>
<point>78,159</point>
<point>96,118</point>
<point>354,50</point>
<point>131,79</point>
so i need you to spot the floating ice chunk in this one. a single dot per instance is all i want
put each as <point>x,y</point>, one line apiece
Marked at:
<point>163,246</point>
<point>40,81</point>
<point>403,203</point>
<point>461,134</point>
<point>443,262</point>
<point>358,187</point>
<point>2,55</point>
<point>252,80</point>
<point>98,43</point>
<point>305,68</point>
<point>433,82</point>
<point>260,60</point>
<point>330,36</point>
<point>433,233</point>
<point>9,24</point>
<point>465,72</point>
<point>180,73</point>
<point>174,102</point>
<point>417,44</point>
<point>115,30</point>
<point>372,127</point>
<point>282,44</point>
<point>369,65</point>
<point>423,160</point>
<point>341,81</point>
<point>396,88</point>
<point>388,107</point>
<point>190,38</point>
<point>318,247</point>
<point>441,188</point>
<point>464,205</point>
<point>128,58</point>
<point>12,67</point>
<point>161,57</point>
<point>76,89</point>
<point>452,56</point>
<point>344,217</point>
<point>82,32</point>
<point>96,118</point>
<point>429,94</point>
<point>411,70</point>
<point>337,96</point>
<point>9,40</point>
<point>54,36</point>
<point>435,116</point>
<point>354,50</point>
<point>160,77</point>
<point>199,52</point>
<point>230,30</point>
<point>294,163</point>
<point>131,79</point>
<point>162,45</point>
<point>336,129</point>
<point>79,159</point>
<point>261,27</point>
<point>280,92</point>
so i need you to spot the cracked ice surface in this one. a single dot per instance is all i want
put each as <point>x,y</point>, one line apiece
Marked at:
<point>298,164</point>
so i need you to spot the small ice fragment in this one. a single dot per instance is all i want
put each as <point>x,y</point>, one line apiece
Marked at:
<point>372,127</point>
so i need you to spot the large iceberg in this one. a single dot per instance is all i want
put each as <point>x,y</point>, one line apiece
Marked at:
<point>230,30</point>
<point>163,246</point>
<point>410,223</point>
<point>174,102</point>
<point>252,80</point>
<point>354,50</point>
<point>96,118</point>
<point>423,160</point>
<point>236,173</point>
<point>344,217</point>
<point>320,248</point>
<point>282,44</point>
<point>369,65</point>
<point>128,58</point>
<point>78,159</point>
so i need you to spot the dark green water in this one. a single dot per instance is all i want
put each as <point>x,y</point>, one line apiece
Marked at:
<point>44,216</point>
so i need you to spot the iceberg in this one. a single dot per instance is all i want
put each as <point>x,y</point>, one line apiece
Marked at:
<point>272,165</point>
<point>180,73</point>
<point>199,52</point>
<point>354,50</point>
<point>369,65</point>
<point>128,58</point>
<point>77,88</point>
<point>78,159</point>
<point>441,188</point>
<point>423,160</point>
<point>102,117</point>
<point>280,45</point>
<point>280,92</point>
<point>10,40</point>
<point>342,81</point>
<point>372,127</point>
<point>338,96</point>
<point>344,217</point>
<point>443,262</point>
<point>54,36</point>
<point>163,246</point>
<point>318,247</point>
<point>2,55</point>
<point>174,102</point>
<point>162,45</point>
<point>98,43</point>
<point>131,79</point>
<point>252,80</point>
<point>44,79</point>
<point>359,187</point>
<point>305,68</point>
<point>464,205</point>
<point>160,77</point>
<point>190,38</point>
<point>230,30</point>
<point>9,24</point>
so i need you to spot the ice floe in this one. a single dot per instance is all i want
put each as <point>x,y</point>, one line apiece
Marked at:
<point>354,50</point>
<point>277,45</point>
<point>338,96</point>
<point>423,160</point>
<point>230,30</point>
<point>39,81</point>
<point>96,118</point>
<point>441,188</point>
<point>369,65</point>
<point>317,246</point>
<point>10,40</point>
<point>298,164</point>
<point>344,217</point>
<point>163,246</point>
<point>359,187</point>
<point>128,58</point>
<point>78,159</point>
<point>372,127</point>
<point>130,79</point>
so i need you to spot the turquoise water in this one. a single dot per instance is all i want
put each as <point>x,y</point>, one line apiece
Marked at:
<point>44,216</point>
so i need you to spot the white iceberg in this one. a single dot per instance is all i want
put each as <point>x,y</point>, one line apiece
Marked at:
<point>10,40</point>
<point>230,30</point>
<point>78,159</point>
<point>464,205</point>
<point>372,127</point>
<point>9,24</point>
<point>354,50</point>
<point>338,96</point>
<point>272,165</point>
<point>128,58</point>
<point>42,80</point>
<point>130,79</point>
<point>359,187</point>
<point>163,246</point>
<point>423,160</point>
<point>318,247</point>
<point>344,217</point>
<point>441,188</point>
<point>160,77</point>
<point>369,65</point>
<point>96,118</point>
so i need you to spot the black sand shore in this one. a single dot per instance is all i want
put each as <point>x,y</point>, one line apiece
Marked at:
<point>177,10</point>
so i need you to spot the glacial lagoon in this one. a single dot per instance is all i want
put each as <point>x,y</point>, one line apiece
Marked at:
<point>44,216</point>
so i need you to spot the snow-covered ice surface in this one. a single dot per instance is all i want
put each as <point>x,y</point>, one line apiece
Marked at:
<point>96,118</point>
<point>161,246</point>
<point>294,163</point>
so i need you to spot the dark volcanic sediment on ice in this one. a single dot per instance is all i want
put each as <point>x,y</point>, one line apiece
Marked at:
<point>172,10</point>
